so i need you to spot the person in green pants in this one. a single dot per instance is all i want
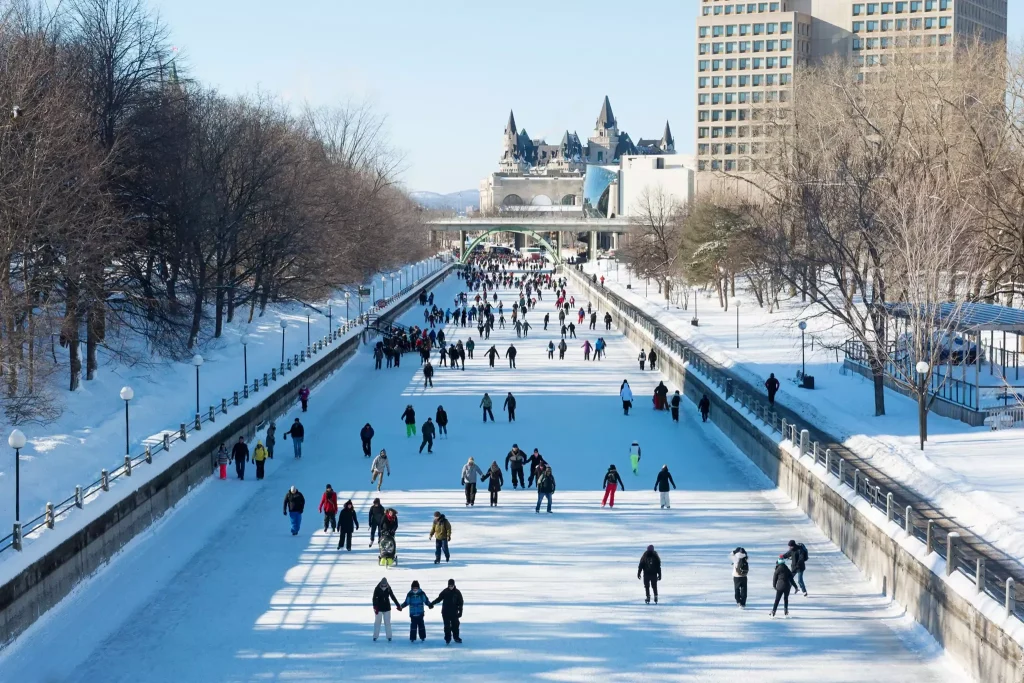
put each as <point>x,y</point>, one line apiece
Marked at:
<point>634,457</point>
<point>410,421</point>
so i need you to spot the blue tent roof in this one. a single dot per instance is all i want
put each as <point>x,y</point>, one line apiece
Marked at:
<point>970,317</point>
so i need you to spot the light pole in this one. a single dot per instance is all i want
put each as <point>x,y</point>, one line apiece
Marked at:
<point>694,303</point>
<point>197,360</point>
<point>347,297</point>
<point>307,328</point>
<point>17,441</point>
<point>383,290</point>
<point>284,326</point>
<point>392,284</point>
<point>922,410</point>
<point>126,395</point>
<point>803,361</point>
<point>245,358</point>
<point>736,305</point>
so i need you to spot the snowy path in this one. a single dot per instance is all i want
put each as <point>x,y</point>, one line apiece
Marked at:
<point>219,591</point>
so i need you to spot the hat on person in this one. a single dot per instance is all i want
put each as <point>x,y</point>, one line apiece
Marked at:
<point>451,583</point>
<point>650,547</point>
<point>293,489</point>
<point>792,544</point>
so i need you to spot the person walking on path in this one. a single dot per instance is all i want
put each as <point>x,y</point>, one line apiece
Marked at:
<point>586,349</point>
<point>674,402</point>
<point>652,358</point>
<point>545,485</point>
<point>626,394</point>
<point>441,418</point>
<point>511,355</point>
<point>634,457</point>
<point>772,385</point>
<point>547,319</point>
<point>517,459</point>
<point>510,406</point>
<point>259,456</point>
<point>562,348</point>
<point>551,350</point>
<point>441,532</point>
<point>294,504</point>
<point>416,600</point>
<point>661,484</point>
<point>593,320</point>
<point>797,556</point>
<point>660,396</point>
<point>611,481</point>
<point>298,433</point>
<point>572,330</point>
<point>740,569</point>
<point>470,475</point>
<point>704,406</point>
<point>374,518</point>
<point>650,569</point>
<point>537,463</point>
<point>223,458</point>
<point>642,358</point>
<point>240,454</point>
<point>491,354</point>
<point>329,508</point>
<point>486,404</point>
<point>451,611</point>
<point>428,375</point>
<point>428,436</point>
<point>782,580</point>
<point>607,321</point>
<point>366,436</point>
<point>409,416</point>
<point>271,439</point>
<point>470,345</point>
<point>377,468</point>
<point>383,596</point>
<point>378,355</point>
<point>347,525</point>
<point>526,328</point>
<point>304,397</point>
<point>495,480</point>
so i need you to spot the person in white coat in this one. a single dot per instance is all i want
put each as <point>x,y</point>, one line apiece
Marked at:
<point>378,467</point>
<point>471,474</point>
<point>740,569</point>
<point>626,394</point>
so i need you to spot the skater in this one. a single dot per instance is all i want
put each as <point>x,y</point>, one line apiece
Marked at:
<point>652,358</point>
<point>298,433</point>
<point>366,436</point>
<point>797,556</point>
<point>451,611</point>
<point>547,318</point>
<point>537,463</point>
<point>223,458</point>
<point>374,518</point>
<point>562,348</point>
<point>416,600</point>
<point>329,508</point>
<point>470,474</point>
<point>611,481</point>
<point>572,331</point>
<point>409,416</point>
<point>607,321</point>
<point>470,345</point>
<point>441,418</point>
<point>491,354</point>
<point>441,532</point>
<point>428,374</point>
<point>294,504</point>
<point>661,484</point>
<point>586,349</point>
<point>378,355</point>
<point>642,358</point>
<point>626,394</point>
<point>782,580</point>
<point>347,523</point>
<point>599,347</point>
<point>593,320</point>
<point>304,397</point>
<point>772,385</point>
<point>704,406</point>
<point>240,454</point>
<point>660,396</point>
<point>259,456</point>
<point>486,404</point>
<point>634,457</point>
<point>740,569</point>
<point>510,406</point>
<point>383,596</point>
<point>650,568</point>
<point>517,458</point>
<point>511,355</point>
<point>526,328</point>
<point>551,350</point>
<point>545,485</point>
<point>494,481</point>
<point>428,436</point>
<point>377,468</point>
<point>271,439</point>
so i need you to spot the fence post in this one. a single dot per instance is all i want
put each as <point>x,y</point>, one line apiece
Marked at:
<point>78,497</point>
<point>273,373</point>
<point>265,381</point>
<point>979,575</point>
<point>224,403</point>
<point>16,541</point>
<point>908,521</point>
<point>878,494</point>
<point>889,506</point>
<point>856,480</point>
<point>49,515</point>
<point>929,537</point>
<point>1011,597</point>
<point>302,357</point>
<point>167,441</point>
<point>805,438</point>
<point>288,365</point>
<point>149,455</point>
<point>127,466</point>
<point>951,540</point>
<point>199,422</point>
<point>784,426</point>
<point>183,433</point>
<point>235,397</point>
<point>104,480</point>
<point>815,452</point>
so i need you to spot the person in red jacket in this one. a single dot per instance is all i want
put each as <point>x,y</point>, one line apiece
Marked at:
<point>329,506</point>
<point>304,397</point>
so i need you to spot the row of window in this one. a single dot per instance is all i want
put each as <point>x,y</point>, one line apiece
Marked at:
<point>740,8</point>
<point>718,98</point>
<point>730,148</point>
<point>729,132</point>
<point>744,81</point>
<point>871,8</point>
<point>744,64</point>
<point>912,41</point>
<point>768,97</point>
<point>928,23</point>
<point>743,46</point>
<point>742,165</point>
<point>769,29</point>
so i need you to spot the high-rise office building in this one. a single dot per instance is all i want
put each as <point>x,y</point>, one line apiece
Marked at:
<point>747,54</point>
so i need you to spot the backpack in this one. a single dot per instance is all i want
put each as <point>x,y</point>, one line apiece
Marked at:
<point>742,567</point>
<point>803,552</point>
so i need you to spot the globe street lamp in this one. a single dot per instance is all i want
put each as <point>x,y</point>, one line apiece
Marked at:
<point>284,326</point>
<point>736,305</point>
<point>245,358</point>
<point>803,365</point>
<point>197,360</point>
<point>17,441</point>
<point>126,395</point>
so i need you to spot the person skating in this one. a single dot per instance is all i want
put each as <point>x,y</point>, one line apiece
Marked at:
<point>487,404</point>
<point>428,374</point>
<point>240,454</point>
<point>772,385</point>
<point>547,318</point>
<point>259,456</point>
<point>383,596</point>
<point>470,345</point>
<point>366,436</point>
<point>510,406</point>
<point>572,331</point>
<point>593,320</point>
<point>374,518</point>
<point>441,532</point>
<point>470,475</point>
<point>650,569</point>
<point>660,396</point>
<point>511,355</point>
<point>642,358</point>
<point>612,481</point>
<point>347,525</point>
<point>661,484</point>
<point>586,349</point>
<point>409,416</point>
<point>416,600</point>
<point>329,508</point>
<point>491,354</point>
<point>294,504</point>
<point>304,397</point>
<point>451,611</point>
<point>704,406</point>
<point>652,359</point>
<point>428,436</point>
<point>674,402</point>
<point>378,467</point>
<point>551,350</point>
<point>517,459</point>
<point>634,457</point>
<point>298,433</point>
<point>740,569</point>
<point>626,394</point>
<point>562,348</point>
<point>223,458</point>
<point>441,418</point>
<point>378,355</point>
<point>545,485</point>
<point>607,321</point>
<point>797,556</point>
<point>782,580</point>
<point>494,481</point>
<point>526,327</point>
<point>536,464</point>
<point>271,439</point>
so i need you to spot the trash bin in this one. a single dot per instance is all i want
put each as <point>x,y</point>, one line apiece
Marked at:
<point>808,382</point>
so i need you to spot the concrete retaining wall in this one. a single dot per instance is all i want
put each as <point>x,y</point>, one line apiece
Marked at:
<point>980,645</point>
<point>48,580</point>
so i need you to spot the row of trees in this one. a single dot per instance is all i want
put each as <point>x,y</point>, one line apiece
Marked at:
<point>135,201</point>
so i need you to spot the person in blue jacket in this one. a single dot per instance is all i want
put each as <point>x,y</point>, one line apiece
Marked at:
<point>415,600</point>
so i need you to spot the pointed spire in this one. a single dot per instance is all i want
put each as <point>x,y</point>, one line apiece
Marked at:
<point>606,119</point>
<point>510,127</point>
<point>666,137</point>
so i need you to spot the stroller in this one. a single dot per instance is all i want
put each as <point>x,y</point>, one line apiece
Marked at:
<point>387,550</point>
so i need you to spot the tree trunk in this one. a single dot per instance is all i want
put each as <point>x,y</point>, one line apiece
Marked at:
<point>922,416</point>
<point>69,335</point>
<point>94,328</point>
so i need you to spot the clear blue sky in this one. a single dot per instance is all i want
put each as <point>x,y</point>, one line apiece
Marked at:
<point>446,73</point>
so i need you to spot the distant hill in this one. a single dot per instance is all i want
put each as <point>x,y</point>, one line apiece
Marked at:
<point>453,201</point>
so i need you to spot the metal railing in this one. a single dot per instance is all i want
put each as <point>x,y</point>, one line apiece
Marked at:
<point>992,571</point>
<point>55,512</point>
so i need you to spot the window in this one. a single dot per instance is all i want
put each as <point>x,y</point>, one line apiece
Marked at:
<point>872,43</point>
<point>703,115</point>
<point>718,9</point>
<point>929,5</point>
<point>716,82</point>
<point>718,31</point>
<point>757,62</point>
<point>744,80</point>
<point>742,98</point>
<point>702,132</point>
<point>915,5</point>
<point>702,165</point>
<point>758,79</point>
<point>744,65</point>
<point>716,98</point>
<point>887,24</point>
<point>944,39</point>
<point>716,149</point>
<point>886,8</point>
<point>784,79</point>
<point>784,62</point>
<point>872,26</point>
<point>730,47</point>
<point>758,29</point>
<point>716,64</point>
<point>716,165</point>
<point>872,8</point>
<point>929,23</point>
<point>786,44</point>
<point>730,30</point>
<point>743,114</point>
<point>702,82</point>
<point>943,5</point>
<point>702,148</point>
<point>730,81</point>
<point>786,27</point>
<point>716,115</point>
<point>858,10</point>
<point>771,62</point>
<point>758,46</point>
<point>769,79</point>
<point>858,27</point>
<point>744,46</point>
<point>772,45</point>
<point>702,99</point>
<point>901,7</point>
<point>901,24</point>
<point>730,65</point>
<point>774,7</point>
<point>702,65</point>
<point>742,131</point>
<point>730,115</point>
<point>718,48</point>
<point>943,22</point>
<point>702,48</point>
<point>771,28</point>
<point>703,32</point>
<point>755,97</point>
<point>716,132</point>
<point>730,98</point>
<point>915,24</point>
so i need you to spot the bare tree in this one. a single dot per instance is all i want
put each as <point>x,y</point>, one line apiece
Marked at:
<point>653,244</point>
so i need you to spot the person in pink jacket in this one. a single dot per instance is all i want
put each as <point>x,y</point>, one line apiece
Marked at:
<point>304,397</point>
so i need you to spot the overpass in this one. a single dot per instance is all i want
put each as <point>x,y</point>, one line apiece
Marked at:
<point>533,226</point>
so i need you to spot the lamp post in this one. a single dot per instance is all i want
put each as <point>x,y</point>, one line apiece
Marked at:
<point>307,328</point>
<point>330,320</point>
<point>245,358</point>
<point>803,363</point>
<point>392,284</point>
<point>383,289</point>
<point>922,409</point>
<point>347,297</point>
<point>17,441</point>
<point>126,395</point>
<point>197,360</point>
<point>284,326</point>
<point>736,305</point>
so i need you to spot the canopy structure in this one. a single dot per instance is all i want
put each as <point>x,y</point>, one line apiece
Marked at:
<point>969,317</point>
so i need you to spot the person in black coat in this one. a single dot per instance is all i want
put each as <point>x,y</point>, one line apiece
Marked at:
<point>240,454</point>
<point>495,481</point>
<point>383,596</point>
<point>674,403</point>
<point>772,385</point>
<point>511,355</point>
<point>366,436</point>
<point>517,458</point>
<point>510,406</point>
<point>428,372</point>
<point>536,462</point>
<point>661,485</point>
<point>428,436</point>
<point>451,611</point>
<point>797,556</point>
<point>650,569</point>
<point>374,518</point>
<point>704,406</point>
<point>346,521</point>
<point>409,417</point>
<point>782,579</point>
<point>611,479</point>
<point>652,358</point>
<point>441,418</point>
